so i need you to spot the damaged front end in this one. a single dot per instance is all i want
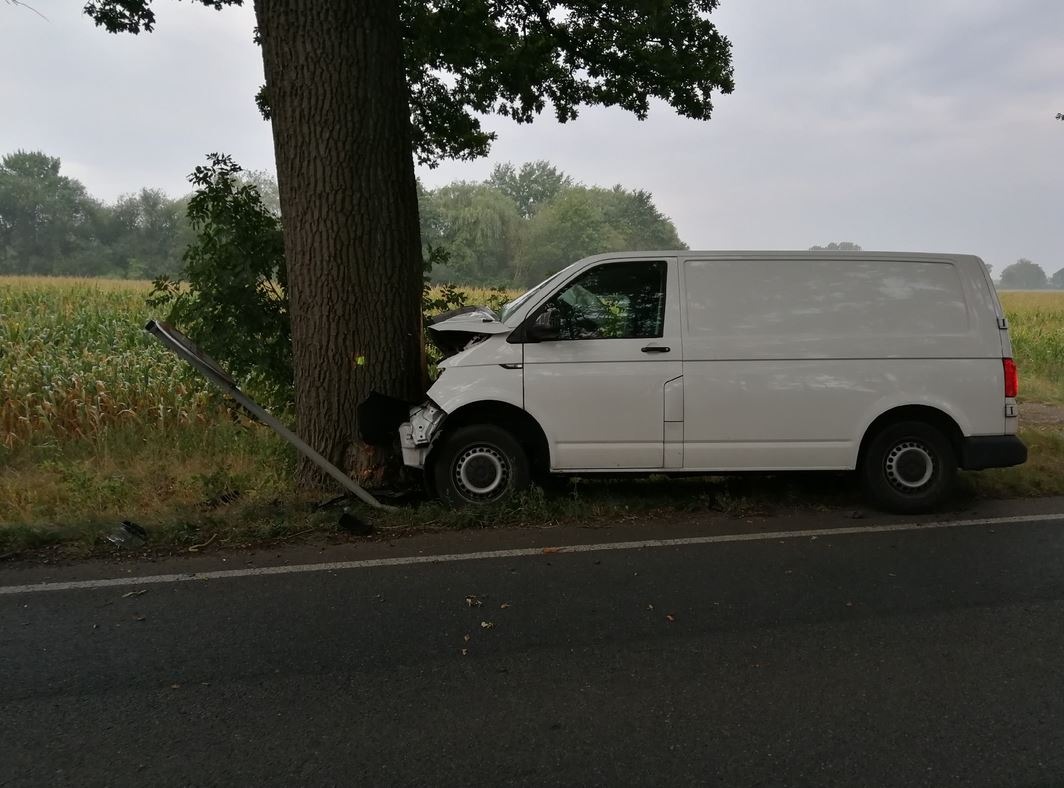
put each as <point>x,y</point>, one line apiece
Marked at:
<point>380,417</point>
<point>418,425</point>
<point>460,329</point>
<point>452,333</point>
<point>416,436</point>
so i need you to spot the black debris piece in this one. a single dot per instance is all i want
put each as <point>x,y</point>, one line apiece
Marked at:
<point>352,524</point>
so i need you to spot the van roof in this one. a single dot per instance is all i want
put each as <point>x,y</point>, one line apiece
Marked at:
<point>781,255</point>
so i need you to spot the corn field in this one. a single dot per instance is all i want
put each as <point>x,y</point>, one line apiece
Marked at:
<point>1036,325</point>
<point>74,360</point>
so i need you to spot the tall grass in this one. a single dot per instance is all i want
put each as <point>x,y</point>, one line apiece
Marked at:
<point>1036,325</point>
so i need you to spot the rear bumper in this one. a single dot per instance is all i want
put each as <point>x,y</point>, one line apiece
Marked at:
<point>992,451</point>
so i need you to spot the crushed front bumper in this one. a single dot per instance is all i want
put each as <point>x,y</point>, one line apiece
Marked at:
<point>417,435</point>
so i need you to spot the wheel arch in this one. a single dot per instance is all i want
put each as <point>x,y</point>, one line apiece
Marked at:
<point>507,416</point>
<point>927,414</point>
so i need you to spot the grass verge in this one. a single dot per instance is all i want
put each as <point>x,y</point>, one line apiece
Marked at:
<point>229,486</point>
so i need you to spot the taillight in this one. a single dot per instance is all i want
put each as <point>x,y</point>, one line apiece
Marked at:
<point>1012,378</point>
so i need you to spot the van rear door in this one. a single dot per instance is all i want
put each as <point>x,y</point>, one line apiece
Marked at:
<point>985,285</point>
<point>999,311</point>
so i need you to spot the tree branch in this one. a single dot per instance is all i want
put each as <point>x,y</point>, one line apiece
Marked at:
<point>28,7</point>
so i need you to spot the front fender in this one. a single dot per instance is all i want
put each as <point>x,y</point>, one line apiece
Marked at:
<point>456,388</point>
<point>461,386</point>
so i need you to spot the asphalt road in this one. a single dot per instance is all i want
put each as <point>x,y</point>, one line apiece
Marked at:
<point>928,657</point>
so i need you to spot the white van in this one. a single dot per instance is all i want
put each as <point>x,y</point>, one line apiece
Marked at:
<point>896,365</point>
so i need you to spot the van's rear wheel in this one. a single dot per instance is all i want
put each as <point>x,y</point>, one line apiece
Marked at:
<point>908,467</point>
<point>480,464</point>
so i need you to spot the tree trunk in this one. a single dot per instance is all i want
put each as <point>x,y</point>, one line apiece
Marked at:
<point>341,128</point>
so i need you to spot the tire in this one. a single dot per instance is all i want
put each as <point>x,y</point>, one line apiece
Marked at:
<point>480,464</point>
<point>909,467</point>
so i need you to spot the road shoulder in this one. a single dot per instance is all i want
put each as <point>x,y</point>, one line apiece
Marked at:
<point>402,544</point>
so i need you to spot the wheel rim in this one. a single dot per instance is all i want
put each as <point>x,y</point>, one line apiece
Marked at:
<point>481,474</point>
<point>910,466</point>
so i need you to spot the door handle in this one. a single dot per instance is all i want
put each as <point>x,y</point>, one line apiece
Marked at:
<point>655,349</point>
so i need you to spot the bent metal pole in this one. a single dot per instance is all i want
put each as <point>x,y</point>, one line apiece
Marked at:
<point>186,349</point>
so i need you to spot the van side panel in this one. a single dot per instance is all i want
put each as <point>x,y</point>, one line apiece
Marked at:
<point>787,361</point>
<point>837,308</point>
<point>812,414</point>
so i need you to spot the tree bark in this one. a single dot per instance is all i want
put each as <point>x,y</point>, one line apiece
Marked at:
<point>341,128</point>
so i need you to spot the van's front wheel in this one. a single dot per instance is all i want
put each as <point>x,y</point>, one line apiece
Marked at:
<point>480,464</point>
<point>909,467</point>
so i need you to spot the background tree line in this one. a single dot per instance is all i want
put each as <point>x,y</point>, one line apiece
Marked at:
<point>50,225</point>
<point>522,224</point>
<point>1027,275</point>
<point>512,229</point>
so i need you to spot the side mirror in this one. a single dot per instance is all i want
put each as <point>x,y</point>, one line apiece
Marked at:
<point>546,326</point>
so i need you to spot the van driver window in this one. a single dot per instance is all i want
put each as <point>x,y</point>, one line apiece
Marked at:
<point>613,301</point>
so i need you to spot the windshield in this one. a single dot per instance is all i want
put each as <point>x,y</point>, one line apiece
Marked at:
<point>512,306</point>
<point>509,308</point>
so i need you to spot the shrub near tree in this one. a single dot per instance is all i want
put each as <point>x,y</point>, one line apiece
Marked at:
<point>231,295</point>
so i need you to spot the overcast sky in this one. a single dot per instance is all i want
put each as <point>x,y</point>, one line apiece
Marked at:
<point>923,125</point>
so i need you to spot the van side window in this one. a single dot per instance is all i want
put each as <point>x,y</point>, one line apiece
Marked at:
<point>614,301</point>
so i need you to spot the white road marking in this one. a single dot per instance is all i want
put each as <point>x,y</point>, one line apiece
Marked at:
<point>520,553</point>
